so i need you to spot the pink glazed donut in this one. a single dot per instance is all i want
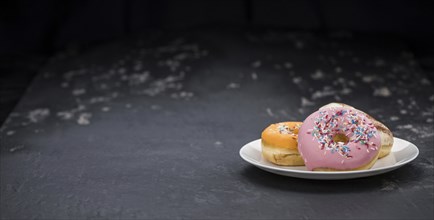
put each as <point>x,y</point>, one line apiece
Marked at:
<point>338,139</point>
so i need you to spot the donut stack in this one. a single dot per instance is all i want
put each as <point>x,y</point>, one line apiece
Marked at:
<point>337,137</point>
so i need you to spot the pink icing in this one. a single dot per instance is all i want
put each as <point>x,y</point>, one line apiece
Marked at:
<point>319,150</point>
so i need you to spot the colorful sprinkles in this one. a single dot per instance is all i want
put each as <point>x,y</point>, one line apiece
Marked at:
<point>351,123</point>
<point>284,129</point>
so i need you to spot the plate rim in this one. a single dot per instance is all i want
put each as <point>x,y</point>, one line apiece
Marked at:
<point>283,169</point>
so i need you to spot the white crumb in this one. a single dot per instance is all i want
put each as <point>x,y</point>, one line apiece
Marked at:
<point>103,86</point>
<point>181,56</point>
<point>80,107</point>
<point>327,91</point>
<point>306,102</point>
<point>173,64</point>
<point>138,66</point>
<point>288,65</point>
<point>269,112</point>
<point>182,95</point>
<point>122,70</point>
<point>19,147</point>
<point>72,73</point>
<point>408,127</point>
<point>299,44</point>
<point>297,80</point>
<point>389,186</point>
<point>317,75</point>
<point>64,85</point>
<point>254,76</point>
<point>400,102</point>
<point>78,92</point>
<point>233,85</point>
<point>379,62</point>
<point>429,112</point>
<point>382,91</point>
<point>368,78</point>
<point>425,81</point>
<point>394,118</point>
<point>159,86</point>
<point>185,94</point>
<point>138,78</point>
<point>65,115</point>
<point>99,99</point>
<point>256,64</point>
<point>346,91</point>
<point>105,109</point>
<point>84,118</point>
<point>38,115</point>
<point>9,133</point>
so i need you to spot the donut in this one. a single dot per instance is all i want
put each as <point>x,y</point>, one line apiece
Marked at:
<point>279,144</point>
<point>385,133</point>
<point>386,138</point>
<point>338,139</point>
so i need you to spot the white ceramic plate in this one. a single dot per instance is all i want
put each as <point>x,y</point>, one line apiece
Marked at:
<point>402,153</point>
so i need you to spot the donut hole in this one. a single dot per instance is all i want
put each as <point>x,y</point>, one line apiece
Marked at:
<point>339,137</point>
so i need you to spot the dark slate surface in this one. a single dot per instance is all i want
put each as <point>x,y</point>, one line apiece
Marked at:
<point>150,127</point>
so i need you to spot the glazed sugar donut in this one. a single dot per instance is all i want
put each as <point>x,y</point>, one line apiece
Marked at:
<point>338,139</point>
<point>385,133</point>
<point>279,144</point>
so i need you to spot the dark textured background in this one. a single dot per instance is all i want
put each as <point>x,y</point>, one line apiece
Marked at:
<point>33,31</point>
<point>170,111</point>
<point>137,109</point>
